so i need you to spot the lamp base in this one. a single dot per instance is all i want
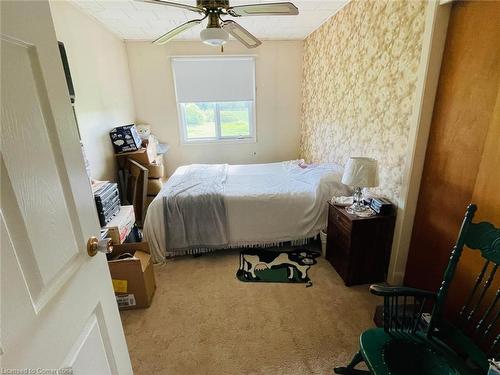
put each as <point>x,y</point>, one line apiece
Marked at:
<point>363,212</point>
<point>358,207</point>
<point>357,200</point>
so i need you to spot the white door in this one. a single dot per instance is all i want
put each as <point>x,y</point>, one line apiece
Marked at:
<point>57,304</point>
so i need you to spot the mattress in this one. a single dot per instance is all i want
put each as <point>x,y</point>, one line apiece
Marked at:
<point>266,204</point>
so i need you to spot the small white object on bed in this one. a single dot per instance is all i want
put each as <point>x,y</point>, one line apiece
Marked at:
<point>266,204</point>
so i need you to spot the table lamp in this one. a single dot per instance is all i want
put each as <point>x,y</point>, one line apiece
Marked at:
<point>359,173</point>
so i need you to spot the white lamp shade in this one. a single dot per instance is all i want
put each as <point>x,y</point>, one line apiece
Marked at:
<point>361,172</point>
<point>214,36</point>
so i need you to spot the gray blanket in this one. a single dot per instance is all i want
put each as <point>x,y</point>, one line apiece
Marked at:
<point>194,210</point>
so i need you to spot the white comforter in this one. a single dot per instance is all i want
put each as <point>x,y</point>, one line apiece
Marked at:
<point>265,204</point>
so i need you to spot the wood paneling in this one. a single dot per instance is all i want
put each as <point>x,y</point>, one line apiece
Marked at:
<point>460,160</point>
<point>486,196</point>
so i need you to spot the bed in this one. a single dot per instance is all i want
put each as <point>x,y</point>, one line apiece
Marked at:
<point>205,207</point>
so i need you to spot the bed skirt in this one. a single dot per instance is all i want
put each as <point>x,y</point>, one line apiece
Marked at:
<point>204,250</point>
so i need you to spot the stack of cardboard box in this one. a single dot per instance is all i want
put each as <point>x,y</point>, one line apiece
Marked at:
<point>146,154</point>
<point>156,179</point>
<point>130,264</point>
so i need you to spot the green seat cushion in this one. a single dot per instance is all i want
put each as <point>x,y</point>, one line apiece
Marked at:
<point>399,353</point>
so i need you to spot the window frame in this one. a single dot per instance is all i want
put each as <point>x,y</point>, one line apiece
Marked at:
<point>251,138</point>
<point>219,138</point>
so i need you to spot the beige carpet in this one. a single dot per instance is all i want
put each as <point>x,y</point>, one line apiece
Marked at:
<point>205,321</point>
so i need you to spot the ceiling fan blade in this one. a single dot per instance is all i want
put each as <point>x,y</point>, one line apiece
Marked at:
<point>269,9</point>
<point>176,5</point>
<point>241,34</point>
<point>174,32</point>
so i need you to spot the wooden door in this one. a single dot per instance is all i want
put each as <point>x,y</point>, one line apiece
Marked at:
<point>463,141</point>
<point>58,309</point>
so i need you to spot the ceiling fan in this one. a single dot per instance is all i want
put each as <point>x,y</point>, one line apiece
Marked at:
<point>217,31</point>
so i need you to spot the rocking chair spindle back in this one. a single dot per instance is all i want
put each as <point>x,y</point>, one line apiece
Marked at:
<point>408,345</point>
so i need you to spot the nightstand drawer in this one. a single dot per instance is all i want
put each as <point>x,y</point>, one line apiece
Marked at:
<point>339,220</point>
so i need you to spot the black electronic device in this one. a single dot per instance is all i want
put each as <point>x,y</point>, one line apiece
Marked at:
<point>107,202</point>
<point>106,216</point>
<point>381,206</point>
<point>105,196</point>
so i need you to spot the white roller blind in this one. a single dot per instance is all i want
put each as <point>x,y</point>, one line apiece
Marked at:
<point>214,79</point>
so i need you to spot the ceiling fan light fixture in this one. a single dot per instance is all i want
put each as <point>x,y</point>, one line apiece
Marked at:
<point>214,36</point>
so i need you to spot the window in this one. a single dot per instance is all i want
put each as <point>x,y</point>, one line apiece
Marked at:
<point>219,120</point>
<point>216,98</point>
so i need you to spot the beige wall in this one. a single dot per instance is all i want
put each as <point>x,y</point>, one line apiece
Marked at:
<point>360,74</point>
<point>278,80</point>
<point>99,68</point>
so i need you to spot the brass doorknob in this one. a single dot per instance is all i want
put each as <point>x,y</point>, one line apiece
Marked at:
<point>94,246</point>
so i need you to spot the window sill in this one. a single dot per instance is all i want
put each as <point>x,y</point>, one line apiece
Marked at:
<point>197,142</point>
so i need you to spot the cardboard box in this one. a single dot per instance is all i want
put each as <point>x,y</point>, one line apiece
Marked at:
<point>154,186</point>
<point>133,277</point>
<point>156,169</point>
<point>144,156</point>
<point>151,141</point>
<point>120,226</point>
<point>125,138</point>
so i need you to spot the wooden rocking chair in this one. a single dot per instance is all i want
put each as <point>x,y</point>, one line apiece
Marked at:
<point>406,347</point>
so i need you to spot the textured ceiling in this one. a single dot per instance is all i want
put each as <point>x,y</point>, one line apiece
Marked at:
<point>133,20</point>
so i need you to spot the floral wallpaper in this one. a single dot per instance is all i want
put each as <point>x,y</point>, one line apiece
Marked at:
<point>360,71</point>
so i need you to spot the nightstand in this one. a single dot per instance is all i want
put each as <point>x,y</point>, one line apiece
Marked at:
<point>359,248</point>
